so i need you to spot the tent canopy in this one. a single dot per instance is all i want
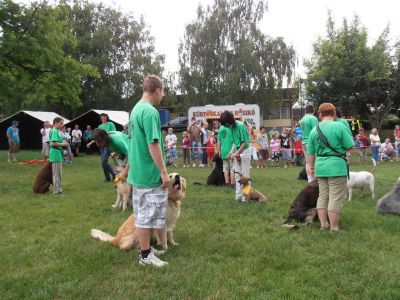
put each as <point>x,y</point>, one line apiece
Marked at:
<point>92,118</point>
<point>30,123</point>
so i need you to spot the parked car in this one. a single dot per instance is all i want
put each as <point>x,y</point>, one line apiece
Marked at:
<point>179,124</point>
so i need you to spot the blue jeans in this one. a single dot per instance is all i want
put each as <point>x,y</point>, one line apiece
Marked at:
<point>375,152</point>
<point>196,150</point>
<point>104,155</point>
<point>298,159</point>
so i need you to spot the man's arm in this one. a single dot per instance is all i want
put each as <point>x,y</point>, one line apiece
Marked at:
<point>240,150</point>
<point>156,155</point>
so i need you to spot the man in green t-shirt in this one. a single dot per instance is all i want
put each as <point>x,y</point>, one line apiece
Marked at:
<point>56,153</point>
<point>149,178</point>
<point>307,123</point>
<point>224,145</point>
<point>240,150</point>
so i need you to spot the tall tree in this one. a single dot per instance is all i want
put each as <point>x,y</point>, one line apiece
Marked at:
<point>35,71</point>
<point>346,71</point>
<point>120,47</point>
<point>225,58</point>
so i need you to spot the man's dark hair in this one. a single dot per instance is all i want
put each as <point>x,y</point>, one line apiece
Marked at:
<point>100,135</point>
<point>57,120</point>
<point>227,118</point>
<point>104,114</point>
<point>339,113</point>
<point>309,109</point>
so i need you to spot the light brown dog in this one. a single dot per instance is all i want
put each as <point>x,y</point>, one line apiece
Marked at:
<point>250,193</point>
<point>127,238</point>
<point>124,191</point>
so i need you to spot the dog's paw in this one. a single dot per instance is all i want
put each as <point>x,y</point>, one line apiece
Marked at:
<point>114,206</point>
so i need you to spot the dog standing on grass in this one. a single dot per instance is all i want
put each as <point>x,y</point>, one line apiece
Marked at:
<point>360,179</point>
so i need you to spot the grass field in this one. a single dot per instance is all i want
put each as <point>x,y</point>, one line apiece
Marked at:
<point>227,250</point>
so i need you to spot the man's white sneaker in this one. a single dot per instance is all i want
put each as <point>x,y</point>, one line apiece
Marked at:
<point>152,260</point>
<point>194,165</point>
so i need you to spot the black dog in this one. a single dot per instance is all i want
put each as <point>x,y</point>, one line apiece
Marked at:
<point>43,180</point>
<point>303,208</point>
<point>217,175</point>
<point>303,174</point>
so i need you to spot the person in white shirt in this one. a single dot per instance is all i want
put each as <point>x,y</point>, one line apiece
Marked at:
<point>171,140</point>
<point>386,150</point>
<point>45,131</point>
<point>76,140</point>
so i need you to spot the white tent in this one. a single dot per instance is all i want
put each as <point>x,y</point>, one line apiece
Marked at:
<point>92,118</point>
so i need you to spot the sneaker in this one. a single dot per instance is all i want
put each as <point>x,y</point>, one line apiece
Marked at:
<point>201,166</point>
<point>258,167</point>
<point>194,165</point>
<point>152,260</point>
<point>285,166</point>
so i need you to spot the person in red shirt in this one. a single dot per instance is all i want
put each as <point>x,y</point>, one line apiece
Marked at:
<point>298,150</point>
<point>364,145</point>
<point>210,151</point>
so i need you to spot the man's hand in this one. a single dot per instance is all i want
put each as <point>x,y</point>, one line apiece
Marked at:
<point>165,180</point>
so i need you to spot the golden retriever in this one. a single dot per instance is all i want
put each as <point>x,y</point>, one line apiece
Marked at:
<point>124,192</point>
<point>250,193</point>
<point>127,238</point>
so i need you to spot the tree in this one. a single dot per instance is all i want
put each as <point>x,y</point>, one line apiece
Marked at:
<point>120,47</point>
<point>346,71</point>
<point>225,58</point>
<point>35,72</point>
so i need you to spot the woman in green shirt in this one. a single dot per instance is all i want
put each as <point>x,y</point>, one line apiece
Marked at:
<point>327,146</point>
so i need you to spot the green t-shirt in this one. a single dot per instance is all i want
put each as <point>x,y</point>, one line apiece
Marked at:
<point>345,123</point>
<point>109,126</point>
<point>240,135</point>
<point>307,123</point>
<point>339,139</point>
<point>55,153</point>
<point>118,142</point>
<point>144,129</point>
<point>225,139</point>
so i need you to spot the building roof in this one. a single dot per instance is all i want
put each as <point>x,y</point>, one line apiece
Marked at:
<point>40,115</point>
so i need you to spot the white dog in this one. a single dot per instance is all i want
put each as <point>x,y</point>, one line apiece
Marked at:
<point>361,179</point>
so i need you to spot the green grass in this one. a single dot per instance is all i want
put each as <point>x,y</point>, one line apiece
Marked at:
<point>227,250</point>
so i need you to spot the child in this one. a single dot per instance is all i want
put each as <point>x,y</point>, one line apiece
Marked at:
<point>262,141</point>
<point>298,150</point>
<point>66,138</point>
<point>275,146</point>
<point>397,147</point>
<point>386,150</point>
<point>252,148</point>
<point>171,146</point>
<point>225,142</point>
<point>56,153</point>
<point>186,149</point>
<point>286,146</point>
<point>210,149</point>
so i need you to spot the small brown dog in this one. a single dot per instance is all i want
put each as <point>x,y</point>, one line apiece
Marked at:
<point>250,193</point>
<point>43,180</point>
<point>127,239</point>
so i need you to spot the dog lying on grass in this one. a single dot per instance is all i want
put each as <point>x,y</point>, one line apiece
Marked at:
<point>43,180</point>
<point>303,208</point>
<point>127,239</point>
<point>250,193</point>
<point>360,179</point>
<point>390,203</point>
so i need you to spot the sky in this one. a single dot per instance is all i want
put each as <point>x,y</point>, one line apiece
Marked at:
<point>299,22</point>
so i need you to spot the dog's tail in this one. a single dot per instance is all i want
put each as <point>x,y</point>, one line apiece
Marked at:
<point>197,183</point>
<point>373,165</point>
<point>102,236</point>
<point>290,226</point>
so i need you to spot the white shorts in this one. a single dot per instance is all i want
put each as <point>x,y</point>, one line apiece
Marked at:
<point>45,149</point>
<point>150,207</point>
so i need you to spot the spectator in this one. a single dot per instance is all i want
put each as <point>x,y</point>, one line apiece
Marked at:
<point>375,142</point>
<point>171,141</point>
<point>298,151</point>
<point>275,146</point>
<point>194,131</point>
<point>252,147</point>
<point>386,150</point>
<point>307,123</point>
<point>262,141</point>
<point>273,132</point>
<point>396,131</point>
<point>364,145</point>
<point>66,139</point>
<point>87,138</point>
<point>13,141</point>
<point>105,152</point>
<point>45,131</point>
<point>240,151</point>
<point>225,143</point>
<point>297,131</point>
<point>327,146</point>
<point>286,146</point>
<point>186,149</point>
<point>56,153</point>
<point>76,140</point>
<point>205,135</point>
<point>397,147</point>
<point>210,151</point>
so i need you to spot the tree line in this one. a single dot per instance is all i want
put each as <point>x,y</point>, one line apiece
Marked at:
<point>76,55</point>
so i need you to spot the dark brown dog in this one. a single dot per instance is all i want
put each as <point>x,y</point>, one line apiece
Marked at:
<point>303,208</point>
<point>250,193</point>
<point>43,180</point>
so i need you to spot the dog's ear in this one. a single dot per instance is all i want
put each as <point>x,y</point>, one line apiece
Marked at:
<point>183,184</point>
